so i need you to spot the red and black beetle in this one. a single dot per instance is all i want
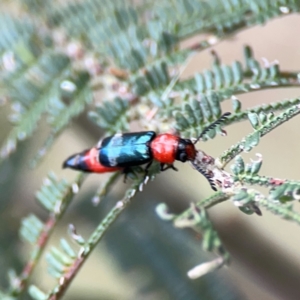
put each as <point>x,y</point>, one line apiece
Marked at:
<point>123,151</point>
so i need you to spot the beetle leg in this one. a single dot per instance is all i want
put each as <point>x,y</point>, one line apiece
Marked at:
<point>169,166</point>
<point>147,167</point>
<point>126,171</point>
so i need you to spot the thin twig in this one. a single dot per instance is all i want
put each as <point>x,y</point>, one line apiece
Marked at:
<point>94,239</point>
<point>267,127</point>
<point>43,238</point>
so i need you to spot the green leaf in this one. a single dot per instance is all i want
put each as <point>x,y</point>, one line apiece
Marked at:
<point>251,141</point>
<point>36,293</point>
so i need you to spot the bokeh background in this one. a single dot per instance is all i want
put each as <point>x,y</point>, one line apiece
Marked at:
<point>143,257</point>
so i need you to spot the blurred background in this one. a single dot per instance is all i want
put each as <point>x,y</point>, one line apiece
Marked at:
<point>143,257</point>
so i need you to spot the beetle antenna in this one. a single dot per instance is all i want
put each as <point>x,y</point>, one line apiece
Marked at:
<point>212,125</point>
<point>206,175</point>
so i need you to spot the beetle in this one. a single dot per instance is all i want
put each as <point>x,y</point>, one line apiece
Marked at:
<point>123,151</point>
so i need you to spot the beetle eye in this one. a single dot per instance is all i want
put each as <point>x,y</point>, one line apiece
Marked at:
<point>183,157</point>
<point>181,146</point>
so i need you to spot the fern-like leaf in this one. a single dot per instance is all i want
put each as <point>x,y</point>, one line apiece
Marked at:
<point>112,115</point>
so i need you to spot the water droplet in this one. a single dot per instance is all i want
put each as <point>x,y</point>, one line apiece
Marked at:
<point>47,181</point>
<point>68,86</point>
<point>119,204</point>
<point>17,107</point>
<point>141,186</point>
<point>75,188</point>
<point>274,83</point>
<point>9,62</point>
<point>22,136</point>
<point>62,280</point>
<point>284,9</point>
<point>42,152</point>
<point>10,146</point>
<point>95,200</point>
<point>254,86</point>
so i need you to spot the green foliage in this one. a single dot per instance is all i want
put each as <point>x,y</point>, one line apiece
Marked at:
<point>153,79</point>
<point>195,114</point>
<point>52,192</point>
<point>267,124</point>
<point>42,93</point>
<point>55,55</point>
<point>32,80</point>
<point>112,116</point>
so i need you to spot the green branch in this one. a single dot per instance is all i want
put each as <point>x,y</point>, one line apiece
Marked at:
<point>88,246</point>
<point>264,180</point>
<point>285,211</point>
<point>40,241</point>
<point>65,265</point>
<point>252,139</point>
